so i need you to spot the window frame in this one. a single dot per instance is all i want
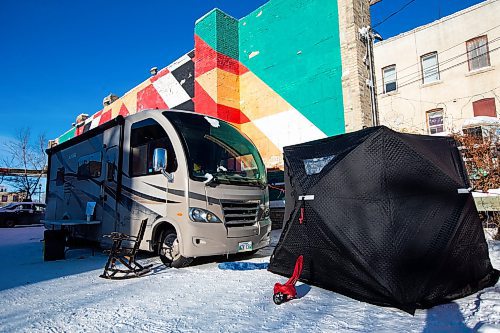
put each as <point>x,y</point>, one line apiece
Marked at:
<point>384,79</point>
<point>487,53</point>
<point>172,167</point>
<point>428,117</point>
<point>434,53</point>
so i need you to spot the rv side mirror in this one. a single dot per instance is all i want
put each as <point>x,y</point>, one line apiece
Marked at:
<point>159,159</point>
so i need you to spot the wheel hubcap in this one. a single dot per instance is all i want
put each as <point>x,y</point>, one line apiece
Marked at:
<point>170,247</point>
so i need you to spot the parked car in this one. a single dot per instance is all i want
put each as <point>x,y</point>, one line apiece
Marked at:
<point>17,213</point>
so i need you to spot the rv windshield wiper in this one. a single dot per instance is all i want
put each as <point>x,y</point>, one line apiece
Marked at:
<point>237,178</point>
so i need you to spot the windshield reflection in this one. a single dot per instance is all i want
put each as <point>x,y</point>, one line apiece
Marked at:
<point>216,148</point>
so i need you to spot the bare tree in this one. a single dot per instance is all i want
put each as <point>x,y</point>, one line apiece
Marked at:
<point>29,160</point>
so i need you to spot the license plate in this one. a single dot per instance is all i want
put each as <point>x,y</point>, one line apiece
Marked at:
<point>245,246</point>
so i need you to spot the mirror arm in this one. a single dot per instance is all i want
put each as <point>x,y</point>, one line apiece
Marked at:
<point>169,176</point>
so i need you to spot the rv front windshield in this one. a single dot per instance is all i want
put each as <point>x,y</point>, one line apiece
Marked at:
<point>216,149</point>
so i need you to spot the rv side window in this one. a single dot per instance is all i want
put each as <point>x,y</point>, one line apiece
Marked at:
<point>60,177</point>
<point>89,166</point>
<point>145,136</point>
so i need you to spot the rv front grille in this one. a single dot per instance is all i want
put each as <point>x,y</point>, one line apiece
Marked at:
<point>240,213</point>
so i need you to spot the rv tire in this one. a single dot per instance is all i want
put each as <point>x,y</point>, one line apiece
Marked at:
<point>168,250</point>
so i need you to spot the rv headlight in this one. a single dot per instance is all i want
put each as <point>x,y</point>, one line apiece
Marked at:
<point>202,215</point>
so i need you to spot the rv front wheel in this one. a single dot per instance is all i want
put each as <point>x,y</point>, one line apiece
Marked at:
<point>169,250</point>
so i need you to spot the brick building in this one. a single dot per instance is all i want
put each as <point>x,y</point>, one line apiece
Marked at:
<point>434,79</point>
<point>7,197</point>
<point>277,74</point>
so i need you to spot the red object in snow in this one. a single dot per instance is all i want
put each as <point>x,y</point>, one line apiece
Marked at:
<point>301,218</point>
<point>287,291</point>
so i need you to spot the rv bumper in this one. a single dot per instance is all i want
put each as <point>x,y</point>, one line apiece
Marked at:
<point>208,240</point>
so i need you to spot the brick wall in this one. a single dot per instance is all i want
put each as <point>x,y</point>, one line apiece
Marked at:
<point>354,14</point>
<point>289,72</point>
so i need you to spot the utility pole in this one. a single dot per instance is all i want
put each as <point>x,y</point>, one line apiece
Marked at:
<point>368,36</point>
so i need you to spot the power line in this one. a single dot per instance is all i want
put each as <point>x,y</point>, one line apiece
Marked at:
<point>395,13</point>
<point>451,47</point>
<point>417,73</point>
<point>397,120</point>
<point>448,68</point>
<point>417,77</point>
<point>450,100</point>
<point>442,62</point>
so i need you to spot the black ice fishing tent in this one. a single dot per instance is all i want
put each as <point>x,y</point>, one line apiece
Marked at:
<point>383,217</point>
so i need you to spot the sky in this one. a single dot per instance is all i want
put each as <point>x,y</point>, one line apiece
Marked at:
<point>61,58</point>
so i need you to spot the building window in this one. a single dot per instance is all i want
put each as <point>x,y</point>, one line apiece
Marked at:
<point>435,121</point>
<point>15,198</point>
<point>5,198</point>
<point>478,53</point>
<point>430,67</point>
<point>485,107</point>
<point>475,132</point>
<point>389,77</point>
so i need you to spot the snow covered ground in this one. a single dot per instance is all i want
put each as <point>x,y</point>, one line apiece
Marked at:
<point>69,296</point>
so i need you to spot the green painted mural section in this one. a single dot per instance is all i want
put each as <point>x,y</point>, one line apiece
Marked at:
<point>206,28</point>
<point>294,47</point>
<point>66,136</point>
<point>220,31</point>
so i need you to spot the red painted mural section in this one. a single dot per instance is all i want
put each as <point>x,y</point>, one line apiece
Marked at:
<point>106,116</point>
<point>123,111</point>
<point>79,129</point>
<point>203,102</point>
<point>148,98</point>
<point>161,73</point>
<point>97,114</point>
<point>207,59</point>
<point>230,114</point>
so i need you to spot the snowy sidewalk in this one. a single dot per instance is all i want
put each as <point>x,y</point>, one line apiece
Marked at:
<point>69,296</point>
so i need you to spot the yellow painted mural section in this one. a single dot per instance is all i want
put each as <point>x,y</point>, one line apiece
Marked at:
<point>221,86</point>
<point>258,99</point>
<point>272,156</point>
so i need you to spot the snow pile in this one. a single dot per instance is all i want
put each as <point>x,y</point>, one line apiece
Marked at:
<point>69,296</point>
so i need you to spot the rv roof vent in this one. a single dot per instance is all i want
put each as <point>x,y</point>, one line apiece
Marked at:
<point>52,143</point>
<point>108,100</point>
<point>153,70</point>
<point>81,118</point>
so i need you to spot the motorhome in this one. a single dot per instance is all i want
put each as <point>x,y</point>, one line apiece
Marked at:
<point>198,181</point>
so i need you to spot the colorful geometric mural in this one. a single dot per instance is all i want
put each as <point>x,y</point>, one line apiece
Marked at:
<point>268,73</point>
<point>272,75</point>
<point>171,88</point>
